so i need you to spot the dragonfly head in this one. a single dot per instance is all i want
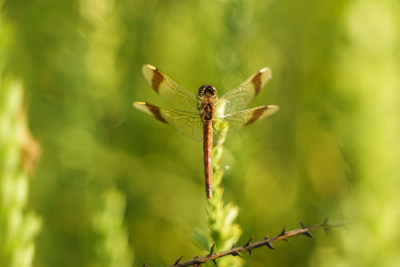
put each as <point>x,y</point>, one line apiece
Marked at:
<point>207,89</point>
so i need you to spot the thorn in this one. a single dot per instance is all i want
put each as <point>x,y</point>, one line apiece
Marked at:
<point>283,231</point>
<point>212,249</point>
<point>178,260</point>
<point>326,225</point>
<point>215,262</point>
<point>308,234</point>
<point>248,242</point>
<point>235,254</point>
<point>266,237</point>
<point>269,245</point>
<point>325,221</point>
<point>302,225</point>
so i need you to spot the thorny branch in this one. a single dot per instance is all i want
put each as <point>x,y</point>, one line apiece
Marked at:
<point>267,241</point>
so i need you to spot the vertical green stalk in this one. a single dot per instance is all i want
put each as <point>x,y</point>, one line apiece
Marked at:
<point>222,231</point>
<point>18,153</point>
<point>18,228</point>
<point>111,246</point>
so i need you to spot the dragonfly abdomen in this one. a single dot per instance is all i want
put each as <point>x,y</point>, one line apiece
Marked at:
<point>207,116</point>
<point>208,154</point>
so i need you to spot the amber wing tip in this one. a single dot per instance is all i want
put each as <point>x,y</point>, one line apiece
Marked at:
<point>148,66</point>
<point>271,109</point>
<point>267,71</point>
<point>148,69</point>
<point>275,107</point>
<point>138,104</point>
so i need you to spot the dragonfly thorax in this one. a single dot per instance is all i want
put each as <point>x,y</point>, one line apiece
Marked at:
<point>208,90</point>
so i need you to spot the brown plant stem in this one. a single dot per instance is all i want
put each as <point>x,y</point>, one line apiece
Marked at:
<point>267,241</point>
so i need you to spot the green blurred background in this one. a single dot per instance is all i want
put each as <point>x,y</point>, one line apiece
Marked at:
<point>114,185</point>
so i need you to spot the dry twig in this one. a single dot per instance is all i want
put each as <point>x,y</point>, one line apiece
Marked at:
<point>267,241</point>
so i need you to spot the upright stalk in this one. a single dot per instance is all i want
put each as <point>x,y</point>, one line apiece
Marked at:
<point>18,152</point>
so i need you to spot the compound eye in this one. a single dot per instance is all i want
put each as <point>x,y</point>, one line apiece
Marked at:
<point>202,90</point>
<point>207,89</point>
<point>212,89</point>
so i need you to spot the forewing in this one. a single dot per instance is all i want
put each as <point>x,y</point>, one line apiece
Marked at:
<point>237,120</point>
<point>189,124</point>
<point>173,94</point>
<point>240,97</point>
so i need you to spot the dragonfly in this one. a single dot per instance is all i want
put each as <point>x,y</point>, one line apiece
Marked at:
<point>205,117</point>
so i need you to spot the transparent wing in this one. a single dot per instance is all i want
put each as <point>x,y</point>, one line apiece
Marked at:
<point>241,96</point>
<point>173,94</point>
<point>237,120</point>
<point>189,124</point>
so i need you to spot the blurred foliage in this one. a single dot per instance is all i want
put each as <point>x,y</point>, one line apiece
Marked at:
<point>18,155</point>
<point>18,152</point>
<point>332,149</point>
<point>111,239</point>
